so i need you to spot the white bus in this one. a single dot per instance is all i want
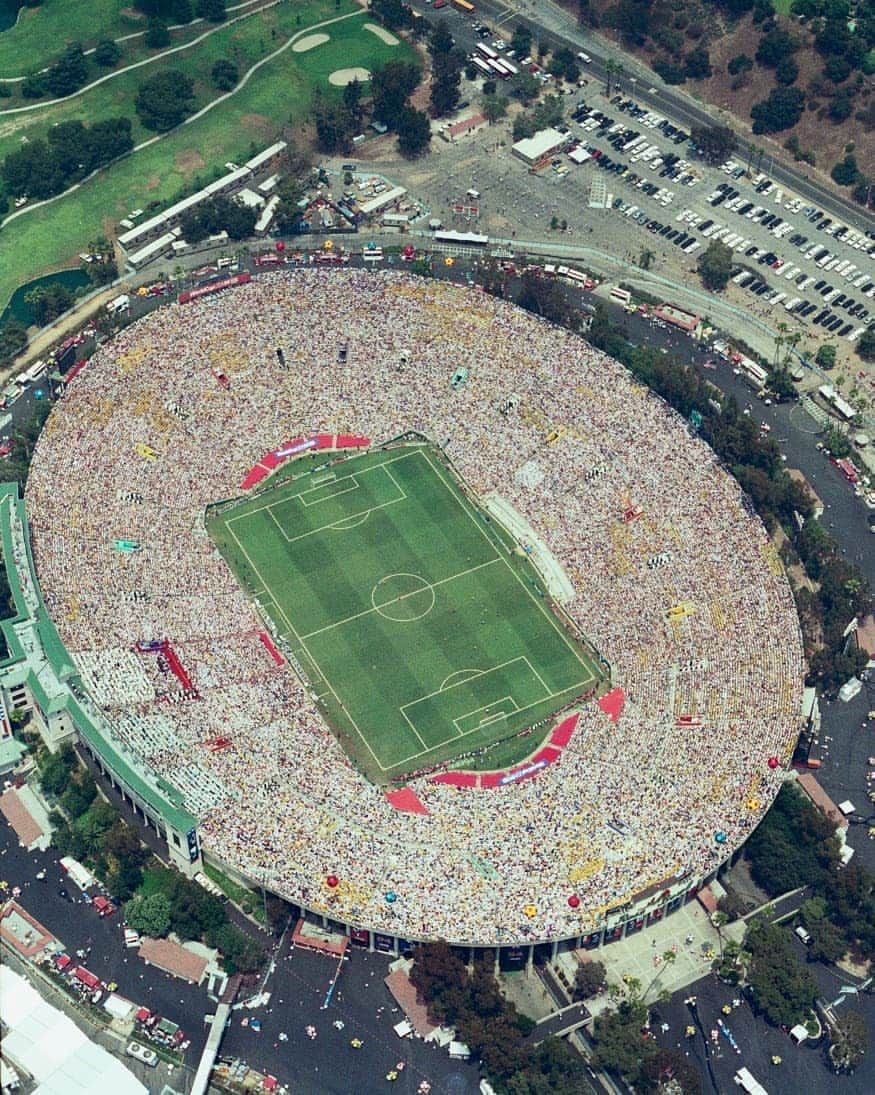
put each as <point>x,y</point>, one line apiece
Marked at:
<point>36,372</point>
<point>486,51</point>
<point>622,295</point>
<point>482,66</point>
<point>500,69</point>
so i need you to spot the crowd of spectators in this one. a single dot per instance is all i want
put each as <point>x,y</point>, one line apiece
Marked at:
<point>712,691</point>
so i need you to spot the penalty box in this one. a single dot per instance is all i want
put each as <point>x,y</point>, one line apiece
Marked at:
<point>335,503</point>
<point>479,699</point>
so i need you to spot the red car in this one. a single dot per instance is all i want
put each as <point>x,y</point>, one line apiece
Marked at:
<point>5,448</point>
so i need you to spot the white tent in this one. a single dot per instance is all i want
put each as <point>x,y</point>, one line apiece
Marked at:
<point>43,1042</point>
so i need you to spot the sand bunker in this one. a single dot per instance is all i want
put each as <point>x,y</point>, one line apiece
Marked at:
<point>343,76</point>
<point>382,34</point>
<point>310,41</point>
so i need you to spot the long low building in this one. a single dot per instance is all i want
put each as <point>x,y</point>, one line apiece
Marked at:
<point>532,150</point>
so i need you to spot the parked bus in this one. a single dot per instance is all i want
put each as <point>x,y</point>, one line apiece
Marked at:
<point>486,51</point>
<point>498,68</point>
<point>482,66</point>
<point>36,372</point>
<point>461,239</point>
<point>622,295</point>
<point>464,7</point>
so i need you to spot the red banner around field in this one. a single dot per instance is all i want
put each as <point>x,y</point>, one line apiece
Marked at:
<point>314,443</point>
<point>268,644</point>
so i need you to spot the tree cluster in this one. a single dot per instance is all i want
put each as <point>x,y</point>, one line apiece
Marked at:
<point>623,1047</point>
<point>491,1026</point>
<point>219,214</point>
<point>165,100</point>
<point>447,62</point>
<point>548,112</point>
<point>173,11</point>
<point>715,142</point>
<point>779,985</point>
<point>47,302</point>
<point>795,845</point>
<point>71,151</point>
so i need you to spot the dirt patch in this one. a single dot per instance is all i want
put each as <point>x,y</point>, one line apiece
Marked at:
<point>383,34</point>
<point>343,76</point>
<point>258,123</point>
<point>310,41</point>
<point>189,161</point>
<point>153,182</point>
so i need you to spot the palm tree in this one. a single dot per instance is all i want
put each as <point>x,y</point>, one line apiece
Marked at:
<point>612,69</point>
<point>645,259</point>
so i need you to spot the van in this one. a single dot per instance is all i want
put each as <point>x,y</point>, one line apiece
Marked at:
<point>803,935</point>
<point>132,938</point>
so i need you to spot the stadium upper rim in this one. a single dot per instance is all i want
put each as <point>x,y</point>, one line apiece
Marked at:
<point>635,814</point>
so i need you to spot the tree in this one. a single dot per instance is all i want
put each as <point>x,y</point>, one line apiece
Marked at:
<point>837,68</point>
<point>619,1042</point>
<point>774,47</point>
<point>334,124</point>
<point>13,337</point>
<point>715,265</point>
<point>352,96</point>
<point>391,84</point>
<point>493,107</point>
<point>840,106</point>
<point>589,980</point>
<point>782,110</point>
<point>646,258</point>
<point>414,132</point>
<point>164,100</point>
<point>826,356</point>
<point>781,987</point>
<point>697,65</point>
<point>224,74</point>
<point>214,10</point>
<point>739,64</point>
<point>526,87</point>
<point>107,52</point>
<point>787,71</point>
<point>157,34</point>
<point>715,142</point>
<point>47,302</point>
<point>828,943</point>
<point>846,172</point>
<point>521,41</point>
<point>69,72</point>
<point>149,915</point>
<point>849,1041</point>
<point>866,345</point>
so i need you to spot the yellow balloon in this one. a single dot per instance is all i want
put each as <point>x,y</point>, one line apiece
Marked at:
<point>753,804</point>
<point>328,245</point>
<point>449,261</point>
<point>530,911</point>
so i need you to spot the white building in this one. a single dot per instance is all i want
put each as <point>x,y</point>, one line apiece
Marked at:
<point>544,143</point>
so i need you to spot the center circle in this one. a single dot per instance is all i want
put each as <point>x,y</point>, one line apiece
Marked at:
<point>403,597</point>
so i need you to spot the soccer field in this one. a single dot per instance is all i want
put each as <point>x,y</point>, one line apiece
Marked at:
<point>424,635</point>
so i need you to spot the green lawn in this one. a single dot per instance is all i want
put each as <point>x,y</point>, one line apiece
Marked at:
<point>782,7</point>
<point>41,33</point>
<point>424,635</point>
<point>277,95</point>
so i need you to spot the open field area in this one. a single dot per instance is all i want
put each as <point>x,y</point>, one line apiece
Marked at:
<point>41,32</point>
<point>423,635</point>
<point>278,94</point>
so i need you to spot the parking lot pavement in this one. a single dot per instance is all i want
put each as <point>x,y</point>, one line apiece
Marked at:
<point>803,1069</point>
<point>78,926</point>
<point>327,1063</point>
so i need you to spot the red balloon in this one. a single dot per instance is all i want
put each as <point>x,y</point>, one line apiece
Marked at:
<point>574,901</point>
<point>280,246</point>
<point>332,880</point>
<point>408,250</point>
<point>773,762</point>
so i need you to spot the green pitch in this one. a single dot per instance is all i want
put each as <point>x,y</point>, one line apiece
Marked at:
<point>422,632</point>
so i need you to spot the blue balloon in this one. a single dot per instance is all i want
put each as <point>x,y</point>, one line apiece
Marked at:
<point>720,837</point>
<point>391,897</point>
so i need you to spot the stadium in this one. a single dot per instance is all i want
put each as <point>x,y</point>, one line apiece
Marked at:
<point>423,613</point>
